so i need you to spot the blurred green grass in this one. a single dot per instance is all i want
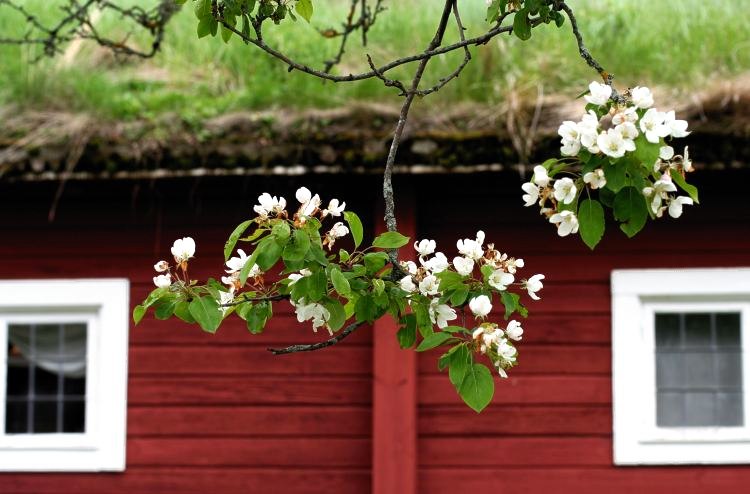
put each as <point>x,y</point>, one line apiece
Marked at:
<point>680,45</point>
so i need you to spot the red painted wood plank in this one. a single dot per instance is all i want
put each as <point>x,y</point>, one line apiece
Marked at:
<point>627,480</point>
<point>394,431</point>
<point>250,390</point>
<point>255,360</point>
<point>437,390</point>
<point>504,420</point>
<point>193,480</point>
<point>281,420</point>
<point>249,452</point>
<point>543,359</point>
<point>515,451</point>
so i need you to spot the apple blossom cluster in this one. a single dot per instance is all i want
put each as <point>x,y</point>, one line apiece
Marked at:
<point>497,273</point>
<point>437,301</point>
<point>618,146</point>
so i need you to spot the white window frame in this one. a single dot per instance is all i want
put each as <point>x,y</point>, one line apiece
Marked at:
<point>636,296</point>
<point>103,304</point>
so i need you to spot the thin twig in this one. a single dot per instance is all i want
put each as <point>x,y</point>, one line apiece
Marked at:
<point>317,346</point>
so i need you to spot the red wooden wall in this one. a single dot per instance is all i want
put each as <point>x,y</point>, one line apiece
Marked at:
<point>220,414</point>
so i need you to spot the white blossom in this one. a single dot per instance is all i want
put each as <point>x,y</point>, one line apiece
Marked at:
<point>224,299</point>
<point>334,208</point>
<point>407,284</point>
<point>628,131</point>
<point>464,265</point>
<point>598,93</point>
<point>570,148</point>
<point>409,266</point>
<point>440,314</point>
<point>533,285</point>
<point>480,306</point>
<point>595,179</point>
<point>471,248</point>
<point>568,130</point>
<point>687,165</point>
<point>314,312</point>
<point>675,205</point>
<point>613,144</point>
<point>642,97</point>
<point>161,266</point>
<point>677,128</point>
<point>531,195</point>
<point>565,190</point>
<point>666,153</point>
<point>653,126</point>
<point>566,222</point>
<point>338,230</point>
<point>237,263</point>
<point>437,264</point>
<point>163,280</point>
<point>309,203</point>
<point>624,115</point>
<point>425,247</point>
<point>512,264</point>
<point>659,191</point>
<point>268,204</point>
<point>429,285</point>
<point>183,249</point>
<point>540,176</point>
<point>514,330</point>
<point>499,280</point>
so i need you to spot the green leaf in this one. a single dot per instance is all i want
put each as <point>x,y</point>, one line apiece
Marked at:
<point>459,296</point>
<point>511,301</point>
<point>378,286</point>
<point>204,26</point>
<point>304,8</point>
<point>338,314</point>
<point>407,335</point>
<point>297,248</point>
<point>615,175</point>
<point>459,362</point>
<point>206,312</point>
<point>691,190</point>
<point>424,324</point>
<point>477,387</point>
<point>646,152</point>
<point>366,309</point>
<point>183,312</point>
<point>375,261</point>
<point>138,312</point>
<point>630,208</point>
<point>226,33</point>
<point>450,280</point>
<point>355,227</point>
<point>390,240</point>
<point>234,237</point>
<point>434,340</point>
<point>202,9</point>
<point>269,251</point>
<point>166,308</point>
<point>607,197</point>
<point>281,231</point>
<point>591,222</point>
<point>257,316</point>
<point>340,283</point>
<point>521,25</point>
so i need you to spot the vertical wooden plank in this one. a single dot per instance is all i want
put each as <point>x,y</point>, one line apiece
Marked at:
<point>394,431</point>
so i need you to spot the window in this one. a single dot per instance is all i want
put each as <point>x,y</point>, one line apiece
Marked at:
<point>63,375</point>
<point>680,367</point>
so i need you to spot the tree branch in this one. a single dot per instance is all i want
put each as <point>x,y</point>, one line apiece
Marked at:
<point>317,346</point>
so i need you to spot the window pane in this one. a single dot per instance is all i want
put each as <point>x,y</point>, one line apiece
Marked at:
<point>670,407</point>
<point>697,329</point>
<point>728,330</point>
<point>699,409</point>
<point>698,370</point>
<point>667,330</point>
<point>46,370</point>
<point>729,409</point>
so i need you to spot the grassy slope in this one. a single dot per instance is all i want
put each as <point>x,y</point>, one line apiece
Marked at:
<point>682,45</point>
